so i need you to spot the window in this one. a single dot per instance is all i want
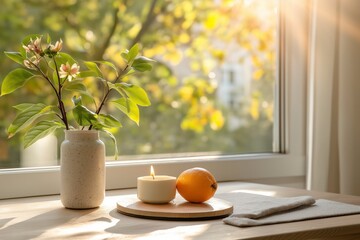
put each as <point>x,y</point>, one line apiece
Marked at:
<point>191,86</point>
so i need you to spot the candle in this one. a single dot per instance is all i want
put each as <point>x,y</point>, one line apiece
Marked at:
<point>156,188</point>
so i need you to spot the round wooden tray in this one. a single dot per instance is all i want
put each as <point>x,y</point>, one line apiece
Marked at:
<point>178,209</point>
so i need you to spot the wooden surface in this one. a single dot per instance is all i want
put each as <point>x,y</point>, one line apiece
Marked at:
<point>45,218</point>
<point>178,209</point>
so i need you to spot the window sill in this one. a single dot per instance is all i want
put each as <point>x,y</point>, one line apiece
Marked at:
<point>26,182</point>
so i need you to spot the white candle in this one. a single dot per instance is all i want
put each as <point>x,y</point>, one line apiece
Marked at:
<point>156,189</point>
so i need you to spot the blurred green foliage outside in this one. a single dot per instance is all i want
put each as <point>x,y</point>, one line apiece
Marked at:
<point>191,40</point>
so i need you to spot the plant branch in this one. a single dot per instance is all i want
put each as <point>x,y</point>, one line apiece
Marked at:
<point>108,90</point>
<point>59,95</point>
<point>99,54</point>
<point>102,102</point>
<point>146,24</point>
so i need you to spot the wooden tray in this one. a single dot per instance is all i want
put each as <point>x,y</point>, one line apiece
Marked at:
<point>178,209</point>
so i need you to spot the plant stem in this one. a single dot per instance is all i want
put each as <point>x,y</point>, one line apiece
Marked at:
<point>103,101</point>
<point>46,78</point>
<point>59,95</point>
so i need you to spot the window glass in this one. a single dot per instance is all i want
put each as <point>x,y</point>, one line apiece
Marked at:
<point>212,87</point>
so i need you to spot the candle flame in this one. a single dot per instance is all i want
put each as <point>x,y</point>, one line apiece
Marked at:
<point>152,172</point>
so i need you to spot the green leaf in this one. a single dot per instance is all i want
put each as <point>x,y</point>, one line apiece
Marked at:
<point>26,117</point>
<point>84,74</point>
<point>54,78</point>
<point>40,130</point>
<point>142,59</point>
<point>95,68</point>
<point>115,142</point>
<point>14,80</point>
<point>48,39</point>
<point>117,88</point>
<point>128,72</point>
<point>23,106</point>
<point>130,55</point>
<point>142,67</point>
<point>16,57</point>
<point>109,121</point>
<point>124,54</point>
<point>76,101</point>
<point>75,86</point>
<point>129,108</point>
<point>83,116</point>
<point>110,64</point>
<point>78,86</point>
<point>135,93</point>
<point>133,52</point>
<point>63,58</point>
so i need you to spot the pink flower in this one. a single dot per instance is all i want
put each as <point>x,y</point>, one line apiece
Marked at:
<point>28,64</point>
<point>69,72</point>
<point>34,46</point>
<point>32,62</point>
<point>57,47</point>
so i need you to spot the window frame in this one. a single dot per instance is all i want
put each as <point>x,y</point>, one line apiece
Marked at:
<point>291,115</point>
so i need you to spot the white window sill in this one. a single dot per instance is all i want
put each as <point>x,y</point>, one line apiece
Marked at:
<point>46,180</point>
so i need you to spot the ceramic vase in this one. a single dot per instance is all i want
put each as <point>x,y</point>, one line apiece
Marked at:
<point>82,169</point>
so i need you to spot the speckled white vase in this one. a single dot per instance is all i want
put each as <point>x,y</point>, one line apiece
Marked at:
<point>82,170</point>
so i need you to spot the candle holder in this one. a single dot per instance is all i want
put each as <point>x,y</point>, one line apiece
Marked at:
<point>156,189</point>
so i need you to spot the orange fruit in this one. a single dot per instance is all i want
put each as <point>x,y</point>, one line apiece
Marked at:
<point>196,185</point>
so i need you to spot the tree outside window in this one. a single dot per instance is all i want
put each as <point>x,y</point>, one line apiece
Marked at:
<point>192,41</point>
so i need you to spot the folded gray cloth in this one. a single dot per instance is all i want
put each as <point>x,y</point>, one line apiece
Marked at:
<point>254,210</point>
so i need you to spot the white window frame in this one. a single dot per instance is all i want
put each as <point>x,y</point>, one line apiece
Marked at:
<point>289,162</point>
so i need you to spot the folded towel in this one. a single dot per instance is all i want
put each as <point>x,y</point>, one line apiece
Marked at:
<point>255,210</point>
